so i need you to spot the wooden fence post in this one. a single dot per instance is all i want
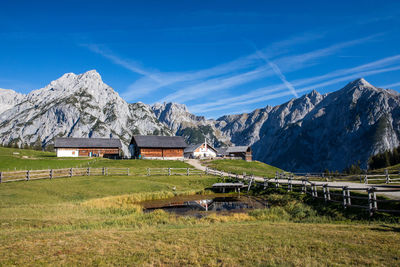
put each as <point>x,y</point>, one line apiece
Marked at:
<point>291,182</point>
<point>387,176</point>
<point>303,187</point>
<point>148,171</point>
<point>88,171</point>
<point>324,191</point>
<point>169,171</point>
<point>348,196</point>
<point>366,179</point>
<point>187,171</point>
<point>27,175</point>
<point>344,196</point>
<point>70,172</point>
<point>251,181</point>
<point>127,171</point>
<point>103,171</point>
<point>328,193</point>
<point>312,190</point>
<point>51,173</point>
<point>372,203</point>
<point>265,183</point>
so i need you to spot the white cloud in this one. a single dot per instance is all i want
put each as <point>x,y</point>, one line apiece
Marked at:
<point>288,63</point>
<point>392,85</point>
<point>264,94</point>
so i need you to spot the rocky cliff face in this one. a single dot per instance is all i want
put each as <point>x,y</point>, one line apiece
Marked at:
<point>340,128</point>
<point>193,128</point>
<point>311,133</point>
<point>76,106</point>
<point>8,99</point>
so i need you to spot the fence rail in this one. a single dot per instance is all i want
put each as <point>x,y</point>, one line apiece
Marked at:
<point>174,171</point>
<point>322,190</point>
<point>13,176</point>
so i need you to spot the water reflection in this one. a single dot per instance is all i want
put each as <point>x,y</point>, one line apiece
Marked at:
<point>198,207</point>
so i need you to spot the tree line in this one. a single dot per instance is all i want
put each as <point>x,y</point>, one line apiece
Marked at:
<point>384,159</point>
<point>37,145</point>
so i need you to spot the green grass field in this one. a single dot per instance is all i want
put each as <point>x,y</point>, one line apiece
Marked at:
<point>23,159</point>
<point>20,159</point>
<point>98,220</point>
<point>240,166</point>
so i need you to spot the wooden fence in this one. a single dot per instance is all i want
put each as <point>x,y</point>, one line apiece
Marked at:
<point>13,176</point>
<point>386,177</point>
<point>340,194</point>
<point>174,171</point>
<point>349,196</point>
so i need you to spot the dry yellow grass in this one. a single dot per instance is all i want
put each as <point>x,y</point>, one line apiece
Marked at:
<point>99,221</point>
<point>227,244</point>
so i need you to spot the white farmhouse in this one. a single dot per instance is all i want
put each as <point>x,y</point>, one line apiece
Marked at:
<point>203,150</point>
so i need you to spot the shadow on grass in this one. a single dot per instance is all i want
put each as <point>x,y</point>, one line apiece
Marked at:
<point>386,228</point>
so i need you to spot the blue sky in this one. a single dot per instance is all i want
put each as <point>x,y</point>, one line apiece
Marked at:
<point>217,57</point>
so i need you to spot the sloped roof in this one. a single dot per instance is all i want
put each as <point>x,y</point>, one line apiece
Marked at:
<point>192,148</point>
<point>154,141</point>
<point>68,142</point>
<point>222,150</point>
<point>237,149</point>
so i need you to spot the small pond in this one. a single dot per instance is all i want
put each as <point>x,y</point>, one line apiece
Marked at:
<point>202,205</point>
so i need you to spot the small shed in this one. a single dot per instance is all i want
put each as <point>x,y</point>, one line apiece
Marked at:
<point>87,147</point>
<point>236,152</point>
<point>157,147</point>
<point>203,150</point>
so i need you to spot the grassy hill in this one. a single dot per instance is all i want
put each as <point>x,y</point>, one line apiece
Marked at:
<point>240,166</point>
<point>98,220</point>
<point>392,169</point>
<point>24,159</point>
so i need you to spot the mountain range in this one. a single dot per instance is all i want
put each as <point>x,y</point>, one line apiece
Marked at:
<point>311,133</point>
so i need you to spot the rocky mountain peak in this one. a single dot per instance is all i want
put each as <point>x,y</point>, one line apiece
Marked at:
<point>359,84</point>
<point>70,85</point>
<point>76,106</point>
<point>9,98</point>
<point>176,107</point>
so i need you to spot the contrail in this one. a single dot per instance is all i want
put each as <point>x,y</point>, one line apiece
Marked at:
<point>282,77</point>
<point>279,73</point>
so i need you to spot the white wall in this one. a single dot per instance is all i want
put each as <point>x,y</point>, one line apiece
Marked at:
<point>203,153</point>
<point>63,152</point>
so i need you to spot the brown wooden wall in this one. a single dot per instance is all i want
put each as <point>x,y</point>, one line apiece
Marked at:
<point>161,152</point>
<point>85,152</point>
<point>151,152</point>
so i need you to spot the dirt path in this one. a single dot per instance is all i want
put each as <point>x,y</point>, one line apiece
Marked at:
<point>395,195</point>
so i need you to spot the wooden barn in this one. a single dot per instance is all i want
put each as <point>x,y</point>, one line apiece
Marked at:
<point>87,147</point>
<point>236,152</point>
<point>157,147</point>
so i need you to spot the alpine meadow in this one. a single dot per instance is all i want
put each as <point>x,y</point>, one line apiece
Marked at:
<point>188,133</point>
